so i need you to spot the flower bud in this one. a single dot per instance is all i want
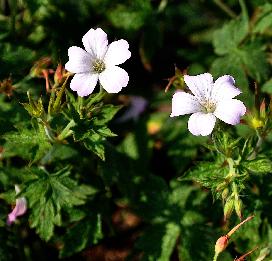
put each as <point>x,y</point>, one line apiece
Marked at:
<point>225,193</point>
<point>221,244</point>
<point>39,66</point>
<point>59,74</point>
<point>238,205</point>
<point>228,208</point>
<point>221,186</point>
<point>263,109</point>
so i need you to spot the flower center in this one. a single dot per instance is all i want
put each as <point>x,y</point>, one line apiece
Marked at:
<point>98,66</point>
<point>209,106</point>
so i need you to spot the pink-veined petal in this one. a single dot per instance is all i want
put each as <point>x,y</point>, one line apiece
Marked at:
<point>184,103</point>
<point>19,210</point>
<point>117,53</point>
<point>200,85</point>
<point>84,83</point>
<point>79,60</point>
<point>21,206</point>
<point>113,79</point>
<point>201,123</point>
<point>96,43</point>
<point>230,111</point>
<point>224,88</point>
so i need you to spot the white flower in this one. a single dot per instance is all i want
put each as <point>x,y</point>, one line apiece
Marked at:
<point>208,102</point>
<point>98,62</point>
<point>20,208</point>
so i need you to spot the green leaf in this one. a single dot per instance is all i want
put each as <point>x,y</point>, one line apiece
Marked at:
<point>260,165</point>
<point>249,59</point>
<point>43,217</point>
<point>267,87</point>
<point>82,234</point>
<point>95,143</point>
<point>104,114</point>
<point>105,132</point>
<point>196,243</point>
<point>231,64</point>
<point>231,34</point>
<point>255,61</point>
<point>47,195</point>
<point>158,242</point>
<point>208,174</point>
<point>264,19</point>
<point>130,16</point>
<point>30,144</point>
<point>15,59</point>
<point>92,132</point>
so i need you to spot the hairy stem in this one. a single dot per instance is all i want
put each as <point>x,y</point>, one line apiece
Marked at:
<point>225,8</point>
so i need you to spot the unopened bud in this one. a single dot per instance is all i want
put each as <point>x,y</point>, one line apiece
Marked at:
<point>59,74</point>
<point>39,66</point>
<point>225,194</point>
<point>221,186</point>
<point>221,244</point>
<point>263,110</point>
<point>238,205</point>
<point>228,208</point>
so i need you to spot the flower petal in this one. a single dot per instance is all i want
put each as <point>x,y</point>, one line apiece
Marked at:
<point>184,103</point>
<point>200,85</point>
<point>19,210</point>
<point>224,88</point>
<point>201,123</point>
<point>84,83</point>
<point>79,60</point>
<point>21,206</point>
<point>96,43</point>
<point>117,53</point>
<point>137,106</point>
<point>230,111</point>
<point>113,79</point>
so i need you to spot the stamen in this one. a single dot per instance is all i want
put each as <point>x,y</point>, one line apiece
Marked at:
<point>98,66</point>
<point>209,106</point>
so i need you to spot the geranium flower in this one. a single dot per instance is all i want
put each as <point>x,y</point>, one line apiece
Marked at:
<point>98,62</point>
<point>20,208</point>
<point>209,100</point>
<point>137,105</point>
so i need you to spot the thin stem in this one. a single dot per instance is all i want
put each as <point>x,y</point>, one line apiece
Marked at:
<point>215,256</point>
<point>245,255</point>
<point>260,140</point>
<point>239,225</point>
<point>48,132</point>
<point>225,8</point>
<point>231,163</point>
<point>66,132</point>
<point>257,147</point>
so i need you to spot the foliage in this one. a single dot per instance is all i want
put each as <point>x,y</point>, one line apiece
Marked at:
<point>98,187</point>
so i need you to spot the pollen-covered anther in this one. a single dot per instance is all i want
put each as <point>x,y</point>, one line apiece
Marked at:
<point>209,107</point>
<point>98,66</point>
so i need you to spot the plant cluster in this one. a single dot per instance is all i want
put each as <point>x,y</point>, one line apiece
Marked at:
<point>98,162</point>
